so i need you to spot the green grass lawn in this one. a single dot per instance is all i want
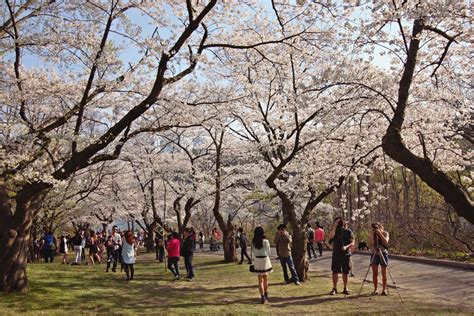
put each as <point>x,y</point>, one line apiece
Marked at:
<point>219,288</point>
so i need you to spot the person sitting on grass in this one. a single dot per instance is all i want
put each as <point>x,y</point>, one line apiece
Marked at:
<point>262,264</point>
<point>173,254</point>
<point>129,254</point>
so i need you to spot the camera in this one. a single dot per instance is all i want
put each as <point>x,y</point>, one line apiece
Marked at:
<point>376,226</point>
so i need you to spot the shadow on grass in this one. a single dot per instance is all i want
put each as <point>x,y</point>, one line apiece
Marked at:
<point>273,301</point>
<point>219,288</point>
<point>211,263</point>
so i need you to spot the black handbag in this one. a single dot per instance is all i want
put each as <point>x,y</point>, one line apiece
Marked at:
<point>252,266</point>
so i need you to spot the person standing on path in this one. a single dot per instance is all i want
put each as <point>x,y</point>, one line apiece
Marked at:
<point>319,238</point>
<point>262,264</point>
<point>283,242</point>
<point>173,254</point>
<point>310,241</point>
<point>243,241</point>
<point>129,254</point>
<point>342,239</point>
<point>187,251</point>
<point>378,242</point>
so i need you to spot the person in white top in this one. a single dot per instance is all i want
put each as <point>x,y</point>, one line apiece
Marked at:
<point>117,240</point>
<point>63,248</point>
<point>262,264</point>
<point>128,254</point>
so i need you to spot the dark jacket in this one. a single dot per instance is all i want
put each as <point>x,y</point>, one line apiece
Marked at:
<point>243,240</point>
<point>77,240</point>
<point>187,248</point>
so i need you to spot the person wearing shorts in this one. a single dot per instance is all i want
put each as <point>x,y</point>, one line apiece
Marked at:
<point>378,242</point>
<point>342,240</point>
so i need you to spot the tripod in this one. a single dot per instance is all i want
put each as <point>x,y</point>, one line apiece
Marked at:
<point>382,259</point>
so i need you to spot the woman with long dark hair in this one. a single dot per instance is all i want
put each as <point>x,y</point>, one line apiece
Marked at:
<point>93,249</point>
<point>262,264</point>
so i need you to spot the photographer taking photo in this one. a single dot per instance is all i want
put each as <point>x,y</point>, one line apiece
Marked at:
<point>378,242</point>
<point>342,239</point>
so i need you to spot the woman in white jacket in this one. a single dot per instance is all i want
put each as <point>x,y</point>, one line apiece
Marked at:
<point>262,264</point>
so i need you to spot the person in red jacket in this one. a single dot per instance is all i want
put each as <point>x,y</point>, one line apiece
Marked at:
<point>319,238</point>
<point>173,254</point>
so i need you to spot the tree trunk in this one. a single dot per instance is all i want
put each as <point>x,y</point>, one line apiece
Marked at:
<point>150,238</point>
<point>394,146</point>
<point>230,254</point>
<point>298,252</point>
<point>417,197</point>
<point>104,229</point>
<point>16,234</point>
<point>406,194</point>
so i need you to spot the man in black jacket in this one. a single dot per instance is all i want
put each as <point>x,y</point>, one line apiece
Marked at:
<point>187,250</point>
<point>243,241</point>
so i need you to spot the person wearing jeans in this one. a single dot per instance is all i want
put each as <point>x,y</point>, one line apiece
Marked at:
<point>283,244</point>
<point>187,250</point>
<point>173,254</point>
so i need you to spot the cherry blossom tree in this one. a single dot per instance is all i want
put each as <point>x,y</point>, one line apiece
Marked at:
<point>429,128</point>
<point>86,100</point>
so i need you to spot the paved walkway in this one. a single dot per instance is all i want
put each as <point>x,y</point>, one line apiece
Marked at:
<point>452,283</point>
<point>446,282</point>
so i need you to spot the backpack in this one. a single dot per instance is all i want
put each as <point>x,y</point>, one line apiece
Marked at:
<point>310,234</point>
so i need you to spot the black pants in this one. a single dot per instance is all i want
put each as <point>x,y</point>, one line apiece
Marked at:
<point>173,265</point>
<point>48,254</point>
<point>160,253</point>
<point>243,252</point>
<point>320,248</point>
<point>129,270</point>
<point>113,256</point>
<point>188,263</point>
<point>310,248</point>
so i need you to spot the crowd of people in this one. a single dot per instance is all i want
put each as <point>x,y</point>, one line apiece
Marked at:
<point>85,244</point>
<point>343,244</point>
<point>120,247</point>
